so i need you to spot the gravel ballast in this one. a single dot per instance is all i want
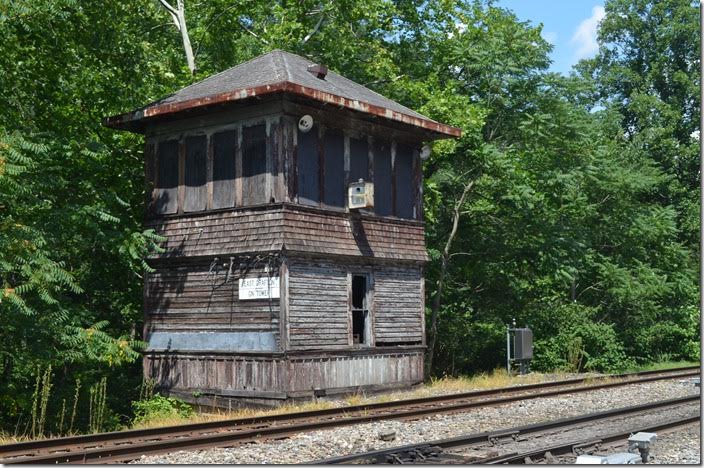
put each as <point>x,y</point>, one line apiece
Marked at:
<point>364,437</point>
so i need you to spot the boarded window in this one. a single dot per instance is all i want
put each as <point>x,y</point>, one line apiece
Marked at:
<point>334,169</point>
<point>196,193</point>
<point>382,178</point>
<point>403,167</point>
<point>167,178</point>
<point>308,168</point>
<point>254,165</point>
<point>224,169</point>
<point>359,160</point>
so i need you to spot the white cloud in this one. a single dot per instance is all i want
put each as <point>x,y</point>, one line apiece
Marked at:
<point>549,36</point>
<point>584,38</point>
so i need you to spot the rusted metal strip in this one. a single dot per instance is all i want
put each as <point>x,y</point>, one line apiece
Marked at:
<point>128,120</point>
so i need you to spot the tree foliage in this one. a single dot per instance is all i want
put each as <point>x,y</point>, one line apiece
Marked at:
<point>581,222</point>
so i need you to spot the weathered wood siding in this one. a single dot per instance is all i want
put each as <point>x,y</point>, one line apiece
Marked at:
<point>383,369</point>
<point>398,306</point>
<point>365,236</point>
<point>223,233</point>
<point>277,377</point>
<point>318,306</point>
<point>298,230</point>
<point>218,373</point>
<point>201,297</point>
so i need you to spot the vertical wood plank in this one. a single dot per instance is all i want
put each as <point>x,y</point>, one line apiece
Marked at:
<point>321,164</point>
<point>421,285</point>
<point>347,166</point>
<point>283,305</point>
<point>181,174</point>
<point>350,341</point>
<point>270,163</point>
<point>209,173</point>
<point>149,177</point>
<point>238,167</point>
<point>394,209</point>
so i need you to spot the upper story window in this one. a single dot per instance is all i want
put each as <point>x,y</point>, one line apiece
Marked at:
<point>328,160</point>
<point>247,166</point>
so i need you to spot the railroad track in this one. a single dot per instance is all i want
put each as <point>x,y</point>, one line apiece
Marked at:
<point>128,445</point>
<point>473,448</point>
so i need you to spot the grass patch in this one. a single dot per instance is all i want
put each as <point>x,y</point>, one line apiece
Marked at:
<point>664,365</point>
<point>160,420</point>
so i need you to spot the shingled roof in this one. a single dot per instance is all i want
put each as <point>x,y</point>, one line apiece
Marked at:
<point>277,72</point>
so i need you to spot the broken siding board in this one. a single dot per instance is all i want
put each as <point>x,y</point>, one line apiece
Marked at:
<point>195,178</point>
<point>224,152</point>
<point>166,192</point>
<point>254,165</point>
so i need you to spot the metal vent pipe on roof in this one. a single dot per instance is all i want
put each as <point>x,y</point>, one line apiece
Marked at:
<point>318,70</point>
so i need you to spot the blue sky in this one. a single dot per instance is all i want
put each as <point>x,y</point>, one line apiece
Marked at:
<point>569,25</point>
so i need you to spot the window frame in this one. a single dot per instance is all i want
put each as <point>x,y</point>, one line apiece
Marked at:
<point>367,309</point>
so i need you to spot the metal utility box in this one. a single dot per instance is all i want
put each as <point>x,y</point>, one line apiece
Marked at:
<point>523,344</point>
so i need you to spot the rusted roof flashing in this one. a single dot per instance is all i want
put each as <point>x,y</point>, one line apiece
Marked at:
<point>133,121</point>
<point>276,72</point>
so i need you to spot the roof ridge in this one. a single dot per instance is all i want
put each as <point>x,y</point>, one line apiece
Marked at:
<point>208,78</point>
<point>281,63</point>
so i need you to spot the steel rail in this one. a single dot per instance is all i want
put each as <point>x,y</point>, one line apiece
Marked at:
<point>483,438</point>
<point>125,445</point>
<point>583,446</point>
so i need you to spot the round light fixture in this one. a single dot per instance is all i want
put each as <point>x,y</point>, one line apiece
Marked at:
<point>305,123</point>
<point>425,152</point>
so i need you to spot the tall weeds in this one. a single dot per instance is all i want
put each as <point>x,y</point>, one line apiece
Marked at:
<point>97,406</point>
<point>40,400</point>
<point>75,404</point>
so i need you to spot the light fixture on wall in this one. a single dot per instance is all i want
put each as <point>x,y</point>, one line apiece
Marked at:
<point>425,152</point>
<point>305,123</point>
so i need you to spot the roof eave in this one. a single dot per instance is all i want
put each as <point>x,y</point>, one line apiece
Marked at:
<point>131,120</point>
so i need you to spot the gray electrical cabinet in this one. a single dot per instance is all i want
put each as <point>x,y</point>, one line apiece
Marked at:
<point>523,344</point>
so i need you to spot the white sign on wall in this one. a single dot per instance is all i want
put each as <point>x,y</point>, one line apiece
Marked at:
<point>260,287</point>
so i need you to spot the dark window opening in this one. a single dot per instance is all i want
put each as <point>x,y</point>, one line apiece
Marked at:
<point>224,151</point>
<point>308,168</point>
<point>360,311</point>
<point>196,194</point>
<point>334,169</point>
<point>382,178</point>
<point>359,160</point>
<point>166,196</point>
<point>405,187</point>
<point>254,165</point>
<point>382,344</point>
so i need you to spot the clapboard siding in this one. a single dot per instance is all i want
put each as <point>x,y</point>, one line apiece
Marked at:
<point>223,233</point>
<point>317,232</point>
<point>398,305</point>
<point>318,305</point>
<point>198,297</point>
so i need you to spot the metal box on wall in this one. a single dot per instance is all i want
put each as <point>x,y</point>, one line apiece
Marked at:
<point>523,344</point>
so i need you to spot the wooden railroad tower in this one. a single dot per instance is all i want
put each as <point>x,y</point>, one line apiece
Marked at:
<point>271,287</point>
